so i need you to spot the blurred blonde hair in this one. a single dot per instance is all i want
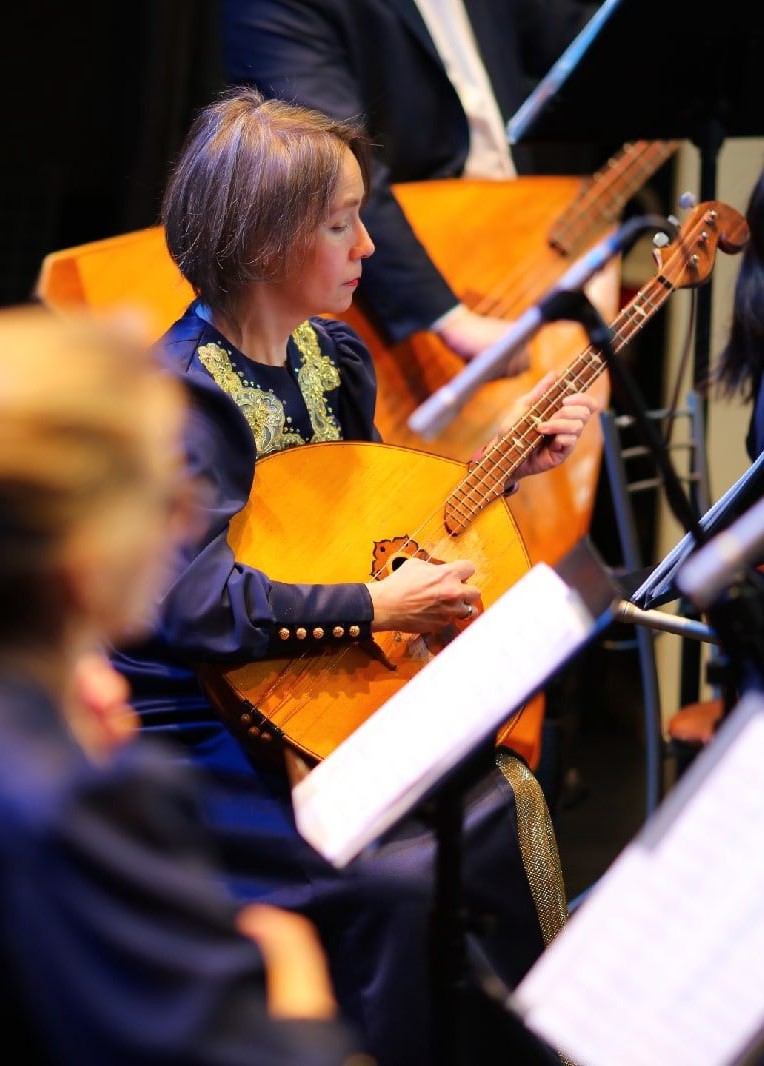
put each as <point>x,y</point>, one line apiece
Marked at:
<point>86,414</point>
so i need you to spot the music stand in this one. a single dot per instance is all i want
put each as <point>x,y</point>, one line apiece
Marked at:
<point>689,80</point>
<point>658,588</point>
<point>493,666</point>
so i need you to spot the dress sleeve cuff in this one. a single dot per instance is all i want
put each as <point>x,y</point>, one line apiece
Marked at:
<point>318,615</point>
<point>439,323</point>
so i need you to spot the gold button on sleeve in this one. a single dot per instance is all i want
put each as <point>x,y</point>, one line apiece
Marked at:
<point>354,631</point>
<point>283,633</point>
<point>318,633</point>
<point>338,632</point>
<point>301,633</point>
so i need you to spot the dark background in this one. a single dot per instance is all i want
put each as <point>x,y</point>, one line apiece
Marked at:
<point>97,98</point>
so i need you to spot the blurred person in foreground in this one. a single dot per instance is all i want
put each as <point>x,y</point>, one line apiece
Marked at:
<point>119,946</point>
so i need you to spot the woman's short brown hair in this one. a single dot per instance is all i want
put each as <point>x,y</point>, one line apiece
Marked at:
<point>253,182</point>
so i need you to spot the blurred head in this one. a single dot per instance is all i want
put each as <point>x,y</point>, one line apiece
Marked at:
<point>90,477</point>
<point>255,181</point>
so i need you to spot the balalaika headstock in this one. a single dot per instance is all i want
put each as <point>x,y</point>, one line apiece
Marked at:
<point>689,259</point>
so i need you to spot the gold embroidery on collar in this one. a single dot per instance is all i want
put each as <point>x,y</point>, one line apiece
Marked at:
<point>317,376</point>
<point>263,411</point>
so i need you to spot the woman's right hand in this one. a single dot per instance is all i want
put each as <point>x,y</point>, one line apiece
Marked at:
<point>422,597</point>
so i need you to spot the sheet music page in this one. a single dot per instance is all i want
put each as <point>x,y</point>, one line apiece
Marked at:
<point>663,962</point>
<point>468,689</point>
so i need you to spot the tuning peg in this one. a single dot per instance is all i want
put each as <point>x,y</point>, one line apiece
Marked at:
<point>688,199</point>
<point>661,239</point>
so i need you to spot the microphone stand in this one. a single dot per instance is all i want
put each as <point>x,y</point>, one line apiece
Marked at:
<point>600,335</point>
<point>579,307</point>
<point>666,623</point>
<point>562,302</point>
<point>738,616</point>
<point>450,924</point>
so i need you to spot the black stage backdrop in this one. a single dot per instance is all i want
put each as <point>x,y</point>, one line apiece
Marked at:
<point>96,99</point>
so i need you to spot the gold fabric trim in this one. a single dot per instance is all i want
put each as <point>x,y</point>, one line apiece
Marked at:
<point>538,848</point>
<point>263,410</point>
<point>538,845</point>
<point>317,376</point>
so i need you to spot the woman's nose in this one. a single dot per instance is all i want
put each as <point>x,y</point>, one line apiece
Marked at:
<point>365,245</point>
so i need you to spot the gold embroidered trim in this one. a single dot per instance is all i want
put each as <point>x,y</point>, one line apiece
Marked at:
<point>263,410</point>
<point>538,845</point>
<point>317,376</point>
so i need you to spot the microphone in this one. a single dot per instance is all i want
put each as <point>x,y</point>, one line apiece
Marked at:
<point>721,561</point>
<point>439,409</point>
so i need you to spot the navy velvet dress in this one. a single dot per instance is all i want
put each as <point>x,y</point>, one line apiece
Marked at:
<point>374,915</point>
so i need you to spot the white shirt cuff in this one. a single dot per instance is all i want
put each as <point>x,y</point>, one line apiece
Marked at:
<point>439,323</point>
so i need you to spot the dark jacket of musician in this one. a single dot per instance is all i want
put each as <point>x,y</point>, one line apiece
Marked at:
<point>374,915</point>
<point>108,882</point>
<point>375,59</point>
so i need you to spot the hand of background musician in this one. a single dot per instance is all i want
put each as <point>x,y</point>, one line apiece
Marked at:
<point>422,597</point>
<point>298,984</point>
<point>559,435</point>
<point>98,708</point>
<point>467,334</point>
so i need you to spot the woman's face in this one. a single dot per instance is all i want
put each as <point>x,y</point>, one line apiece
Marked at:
<point>323,282</point>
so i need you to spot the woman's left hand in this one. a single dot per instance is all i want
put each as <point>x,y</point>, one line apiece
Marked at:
<point>560,434</point>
